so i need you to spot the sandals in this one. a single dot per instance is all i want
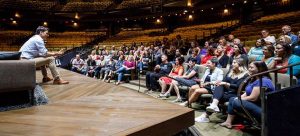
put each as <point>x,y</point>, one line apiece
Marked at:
<point>226,125</point>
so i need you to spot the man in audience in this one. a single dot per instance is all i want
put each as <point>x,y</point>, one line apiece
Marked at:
<point>230,39</point>
<point>267,39</point>
<point>77,64</point>
<point>160,70</point>
<point>34,49</point>
<point>287,30</point>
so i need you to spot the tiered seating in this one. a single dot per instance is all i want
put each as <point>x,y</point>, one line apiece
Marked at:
<point>86,6</point>
<point>250,33</point>
<point>136,3</point>
<point>13,40</point>
<point>28,4</point>
<point>127,37</point>
<point>71,39</point>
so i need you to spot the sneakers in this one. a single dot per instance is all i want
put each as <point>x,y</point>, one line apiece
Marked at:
<point>177,100</point>
<point>60,82</point>
<point>162,95</point>
<point>185,104</point>
<point>212,108</point>
<point>202,119</point>
<point>47,79</point>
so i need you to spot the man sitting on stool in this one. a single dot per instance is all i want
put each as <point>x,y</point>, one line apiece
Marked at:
<point>34,49</point>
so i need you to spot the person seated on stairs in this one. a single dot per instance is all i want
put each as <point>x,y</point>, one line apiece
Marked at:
<point>126,67</point>
<point>159,70</point>
<point>211,76</point>
<point>226,89</point>
<point>250,99</point>
<point>175,72</point>
<point>187,79</point>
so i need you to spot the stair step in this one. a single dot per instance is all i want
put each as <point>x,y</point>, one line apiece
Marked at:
<point>136,83</point>
<point>134,87</point>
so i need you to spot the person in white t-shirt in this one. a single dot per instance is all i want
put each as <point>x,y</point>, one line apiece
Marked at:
<point>269,40</point>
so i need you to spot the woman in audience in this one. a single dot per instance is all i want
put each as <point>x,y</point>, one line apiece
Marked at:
<point>227,88</point>
<point>284,57</point>
<point>128,65</point>
<point>118,65</point>
<point>187,79</point>
<point>109,66</point>
<point>144,61</point>
<point>222,57</point>
<point>208,56</point>
<point>250,98</point>
<point>196,56</point>
<point>94,55</point>
<point>203,51</point>
<point>256,53</point>
<point>285,38</point>
<point>211,76</point>
<point>268,57</point>
<point>177,71</point>
<point>297,45</point>
<point>239,52</point>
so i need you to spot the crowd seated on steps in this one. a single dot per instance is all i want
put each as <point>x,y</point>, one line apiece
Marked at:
<point>215,68</point>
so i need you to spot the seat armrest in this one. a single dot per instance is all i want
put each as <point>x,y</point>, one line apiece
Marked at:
<point>17,75</point>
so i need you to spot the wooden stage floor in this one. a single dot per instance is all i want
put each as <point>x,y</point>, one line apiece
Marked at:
<point>87,106</point>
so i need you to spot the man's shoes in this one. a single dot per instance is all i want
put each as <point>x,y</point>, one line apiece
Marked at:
<point>212,108</point>
<point>47,79</point>
<point>60,82</point>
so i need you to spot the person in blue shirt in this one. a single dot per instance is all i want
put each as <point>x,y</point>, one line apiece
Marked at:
<point>287,30</point>
<point>256,53</point>
<point>250,99</point>
<point>34,49</point>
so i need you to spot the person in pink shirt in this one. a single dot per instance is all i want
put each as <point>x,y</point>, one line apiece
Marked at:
<point>128,65</point>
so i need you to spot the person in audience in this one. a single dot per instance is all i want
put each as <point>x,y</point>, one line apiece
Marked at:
<point>211,76</point>
<point>297,46</point>
<point>250,99</point>
<point>97,50</point>
<point>94,55</point>
<point>159,70</point>
<point>203,51</point>
<point>287,30</point>
<point>109,66</point>
<point>157,55</point>
<point>285,39</point>
<point>226,89</point>
<point>34,49</point>
<point>267,39</point>
<point>230,39</point>
<point>99,64</point>
<point>191,49</point>
<point>239,52</point>
<point>127,65</point>
<point>237,41</point>
<point>118,66</point>
<point>208,56</point>
<point>284,57</point>
<point>77,64</point>
<point>196,55</point>
<point>226,46</point>
<point>90,66</point>
<point>268,57</point>
<point>222,57</point>
<point>144,61</point>
<point>187,79</point>
<point>256,53</point>
<point>177,71</point>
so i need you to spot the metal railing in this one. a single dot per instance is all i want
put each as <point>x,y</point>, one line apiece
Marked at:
<point>264,131</point>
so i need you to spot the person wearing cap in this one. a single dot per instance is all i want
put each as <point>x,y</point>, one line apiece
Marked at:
<point>34,49</point>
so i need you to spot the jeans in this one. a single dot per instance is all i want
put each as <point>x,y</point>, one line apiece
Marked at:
<point>141,65</point>
<point>222,94</point>
<point>151,80</point>
<point>121,72</point>
<point>253,109</point>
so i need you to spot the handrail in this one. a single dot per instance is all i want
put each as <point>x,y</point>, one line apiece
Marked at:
<point>254,121</point>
